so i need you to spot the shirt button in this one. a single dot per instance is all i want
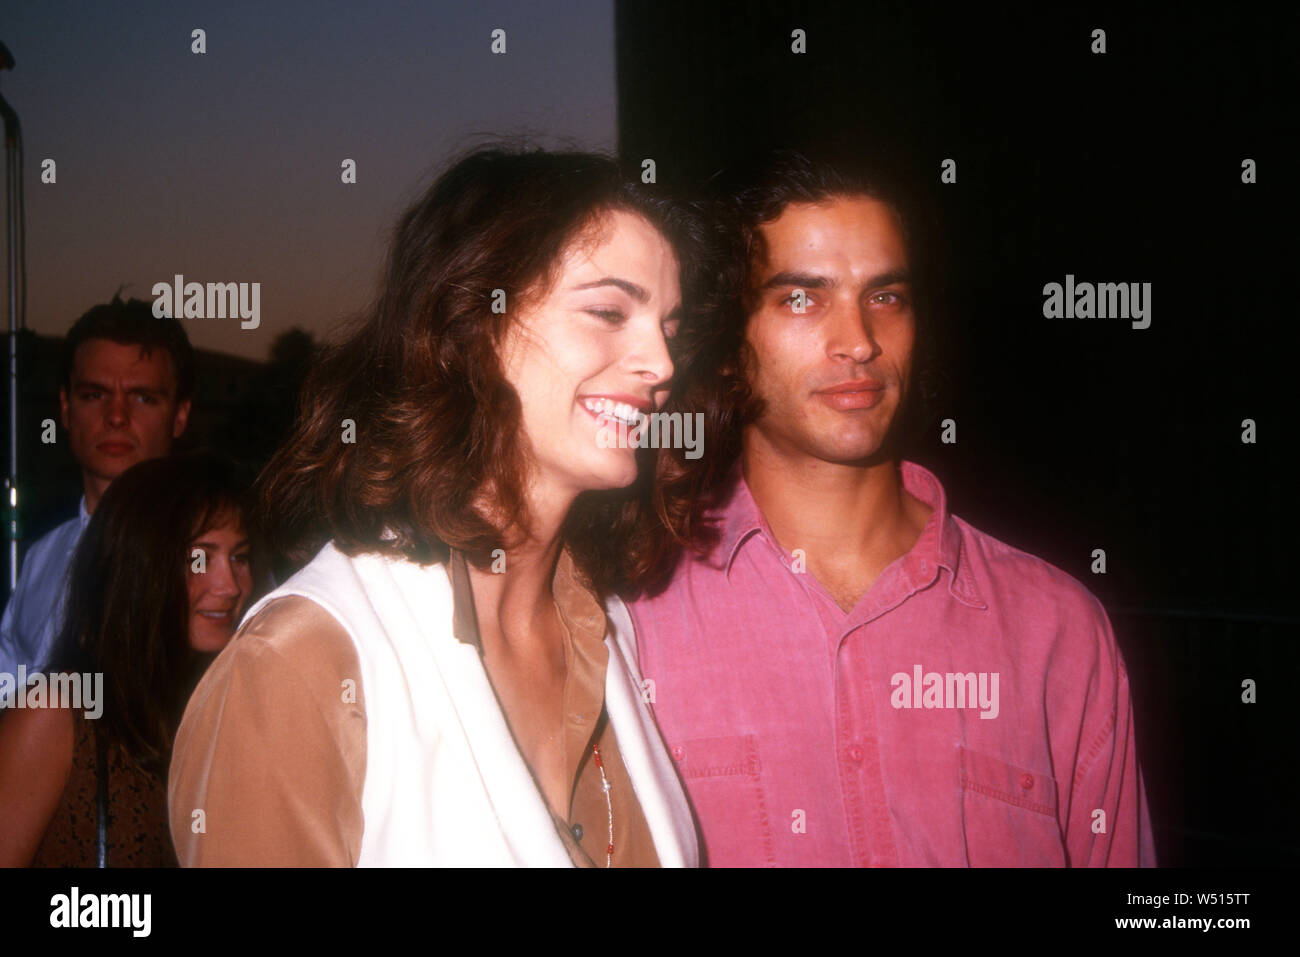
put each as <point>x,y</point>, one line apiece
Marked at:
<point>577,832</point>
<point>679,753</point>
<point>1027,782</point>
<point>855,754</point>
<point>578,718</point>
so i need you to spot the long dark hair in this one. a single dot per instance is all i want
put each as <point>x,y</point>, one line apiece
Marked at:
<point>713,379</point>
<point>435,423</point>
<point>127,611</point>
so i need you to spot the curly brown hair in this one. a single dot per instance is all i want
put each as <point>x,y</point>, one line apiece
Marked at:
<point>437,426</point>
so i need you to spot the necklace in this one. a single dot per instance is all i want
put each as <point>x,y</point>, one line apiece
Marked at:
<point>609,806</point>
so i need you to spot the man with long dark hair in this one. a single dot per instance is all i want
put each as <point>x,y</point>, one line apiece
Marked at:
<point>848,674</point>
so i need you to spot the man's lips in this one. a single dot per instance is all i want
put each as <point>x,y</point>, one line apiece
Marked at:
<point>114,448</point>
<point>848,396</point>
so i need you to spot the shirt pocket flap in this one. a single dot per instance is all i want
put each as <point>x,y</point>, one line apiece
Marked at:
<point>996,778</point>
<point>718,757</point>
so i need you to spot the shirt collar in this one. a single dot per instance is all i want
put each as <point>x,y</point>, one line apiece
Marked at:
<point>464,623</point>
<point>740,519</point>
<point>82,513</point>
<point>940,541</point>
<point>939,545</point>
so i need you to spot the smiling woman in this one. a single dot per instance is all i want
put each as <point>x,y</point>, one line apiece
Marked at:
<point>452,679</point>
<point>157,584</point>
<point>596,347</point>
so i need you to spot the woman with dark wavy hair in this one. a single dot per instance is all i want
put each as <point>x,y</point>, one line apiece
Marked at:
<point>450,679</point>
<point>157,585</point>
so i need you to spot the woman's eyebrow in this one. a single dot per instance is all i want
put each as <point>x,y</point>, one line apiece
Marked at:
<point>639,293</point>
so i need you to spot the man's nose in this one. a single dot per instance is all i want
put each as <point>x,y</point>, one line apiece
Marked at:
<point>851,334</point>
<point>118,410</point>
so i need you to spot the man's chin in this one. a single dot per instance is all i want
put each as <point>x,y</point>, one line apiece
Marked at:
<point>867,452</point>
<point>108,468</point>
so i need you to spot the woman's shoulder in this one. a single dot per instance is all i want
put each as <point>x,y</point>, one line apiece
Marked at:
<point>289,621</point>
<point>290,676</point>
<point>38,731</point>
<point>280,712</point>
<point>37,750</point>
<point>290,642</point>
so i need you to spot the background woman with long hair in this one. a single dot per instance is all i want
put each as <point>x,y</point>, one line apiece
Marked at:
<point>158,584</point>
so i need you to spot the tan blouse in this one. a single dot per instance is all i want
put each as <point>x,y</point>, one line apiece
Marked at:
<point>296,745</point>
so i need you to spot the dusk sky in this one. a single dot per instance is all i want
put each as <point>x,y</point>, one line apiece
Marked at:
<point>226,166</point>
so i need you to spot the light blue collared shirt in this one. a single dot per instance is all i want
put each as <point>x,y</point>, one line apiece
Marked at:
<point>34,615</point>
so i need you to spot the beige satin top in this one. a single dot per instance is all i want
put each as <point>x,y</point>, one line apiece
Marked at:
<point>274,754</point>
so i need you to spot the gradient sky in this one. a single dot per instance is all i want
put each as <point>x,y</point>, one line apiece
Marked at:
<point>225,167</point>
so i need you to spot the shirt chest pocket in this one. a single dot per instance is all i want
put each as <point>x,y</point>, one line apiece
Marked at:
<point>723,778</point>
<point>1009,814</point>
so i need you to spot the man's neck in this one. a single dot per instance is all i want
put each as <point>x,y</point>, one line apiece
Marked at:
<point>93,488</point>
<point>850,521</point>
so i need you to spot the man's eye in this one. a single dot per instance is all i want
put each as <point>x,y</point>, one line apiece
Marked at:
<point>889,298</point>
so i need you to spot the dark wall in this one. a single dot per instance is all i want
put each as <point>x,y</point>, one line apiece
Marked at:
<point>1072,434</point>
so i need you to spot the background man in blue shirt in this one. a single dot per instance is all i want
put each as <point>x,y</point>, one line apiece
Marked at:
<point>126,383</point>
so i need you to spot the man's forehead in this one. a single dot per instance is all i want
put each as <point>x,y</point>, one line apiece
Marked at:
<point>96,359</point>
<point>840,228</point>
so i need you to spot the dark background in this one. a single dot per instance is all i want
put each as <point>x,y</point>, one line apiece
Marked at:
<point>1075,434</point>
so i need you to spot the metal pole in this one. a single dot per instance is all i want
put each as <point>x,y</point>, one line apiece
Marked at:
<point>13,187</point>
<point>11,531</point>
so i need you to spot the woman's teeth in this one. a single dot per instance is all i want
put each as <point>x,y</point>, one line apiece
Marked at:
<point>621,411</point>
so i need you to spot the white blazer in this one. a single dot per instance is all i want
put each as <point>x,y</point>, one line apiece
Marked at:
<point>445,784</point>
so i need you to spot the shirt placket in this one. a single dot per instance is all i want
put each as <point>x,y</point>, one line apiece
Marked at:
<point>857,740</point>
<point>861,780</point>
<point>857,745</point>
<point>861,785</point>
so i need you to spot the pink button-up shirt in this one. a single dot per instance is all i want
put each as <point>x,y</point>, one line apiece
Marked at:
<point>973,709</point>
